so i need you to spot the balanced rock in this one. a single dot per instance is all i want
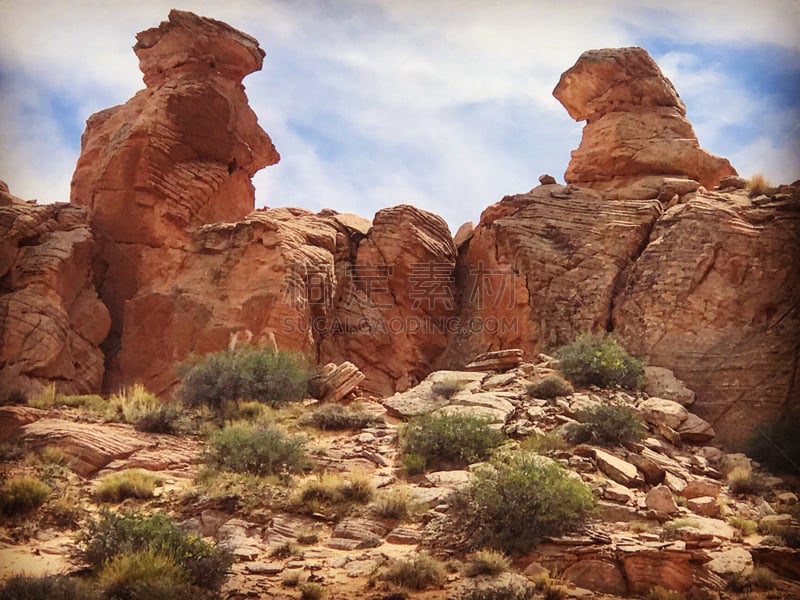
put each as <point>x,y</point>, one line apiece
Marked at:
<point>636,124</point>
<point>334,382</point>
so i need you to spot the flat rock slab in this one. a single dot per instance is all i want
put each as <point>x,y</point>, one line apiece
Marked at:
<point>730,563</point>
<point>617,469</point>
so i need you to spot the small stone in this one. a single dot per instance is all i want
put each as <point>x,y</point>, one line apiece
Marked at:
<point>660,499</point>
<point>617,493</point>
<point>704,505</point>
<point>547,179</point>
<point>701,487</point>
<point>272,568</point>
<point>617,469</point>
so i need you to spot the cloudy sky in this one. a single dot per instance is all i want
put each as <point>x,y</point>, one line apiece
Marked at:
<point>445,104</point>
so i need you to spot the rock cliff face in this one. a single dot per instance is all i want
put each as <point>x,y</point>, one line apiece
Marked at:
<point>51,320</point>
<point>176,156</point>
<point>694,280</point>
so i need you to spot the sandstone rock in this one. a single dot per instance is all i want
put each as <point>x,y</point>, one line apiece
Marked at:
<point>617,493</point>
<point>701,487</point>
<point>464,234</point>
<point>705,506</point>
<point>662,383</point>
<point>730,563</point>
<point>404,535</point>
<point>654,472</point>
<point>782,561</point>
<point>646,569</point>
<point>51,320</point>
<point>451,479</point>
<point>660,499</point>
<point>732,182</point>
<point>500,360</point>
<point>358,530</point>
<point>334,382</point>
<point>14,418</point>
<point>617,469</point>
<point>504,585</point>
<point>636,123</point>
<point>708,319</point>
<point>696,430</point>
<point>547,179</point>
<point>660,411</point>
<point>674,483</point>
<point>601,576</point>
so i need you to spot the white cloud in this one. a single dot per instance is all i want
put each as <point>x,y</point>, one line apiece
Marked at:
<point>446,104</point>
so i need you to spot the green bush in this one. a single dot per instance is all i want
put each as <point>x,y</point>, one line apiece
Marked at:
<point>487,562</point>
<point>338,417</point>
<point>145,575</point>
<point>776,445</point>
<point>394,503</point>
<point>745,526</point>
<point>48,587</point>
<point>447,388</point>
<point>310,590</point>
<point>449,441</point>
<point>114,535</point>
<point>22,494</point>
<point>549,387</point>
<point>130,483</point>
<point>600,360</point>
<point>142,409</point>
<point>417,573</point>
<point>511,505</point>
<point>269,376</point>
<point>260,450</point>
<point>606,424</point>
<point>332,492</point>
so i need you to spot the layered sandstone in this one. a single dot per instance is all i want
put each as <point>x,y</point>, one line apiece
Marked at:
<point>636,123</point>
<point>176,156</point>
<point>51,320</point>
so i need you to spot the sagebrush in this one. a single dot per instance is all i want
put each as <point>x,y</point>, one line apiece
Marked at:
<point>605,424</point>
<point>600,360</point>
<point>549,387</point>
<point>261,450</point>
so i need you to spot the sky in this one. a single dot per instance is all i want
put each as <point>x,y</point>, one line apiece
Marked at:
<point>444,104</point>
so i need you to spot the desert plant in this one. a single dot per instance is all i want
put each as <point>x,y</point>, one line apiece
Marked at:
<point>758,184</point>
<point>511,505</point>
<point>269,376</point>
<point>447,387</point>
<point>550,386</point>
<point>543,443</point>
<point>22,494</point>
<point>260,450</point>
<point>130,483</point>
<point>67,510</point>
<point>776,445</point>
<point>745,526</point>
<point>394,503</point>
<point>45,398</point>
<point>554,592</point>
<point>114,535</point>
<point>310,590</point>
<point>48,587</point>
<point>416,573</point>
<point>600,360</point>
<point>247,492</point>
<point>660,593</point>
<point>450,441</point>
<point>331,489</point>
<point>286,550</point>
<point>487,562</point>
<point>339,417</point>
<point>780,534</point>
<point>142,409</point>
<point>413,463</point>
<point>605,424</point>
<point>742,480</point>
<point>145,575</point>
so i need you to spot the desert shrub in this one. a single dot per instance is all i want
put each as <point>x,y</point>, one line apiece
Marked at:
<point>130,483</point>
<point>269,376</point>
<point>48,587</point>
<point>758,184</point>
<point>142,409</point>
<point>244,492</point>
<point>48,397</point>
<point>543,443</point>
<point>310,590</point>
<point>67,510</point>
<point>447,388</point>
<point>338,417</point>
<point>554,592</point>
<point>45,398</point>
<point>447,441</point>
<point>286,550</point>
<point>114,535</point>
<point>416,573</point>
<point>745,526</point>
<point>605,424</point>
<point>600,360</point>
<point>331,489</point>
<point>781,535</point>
<point>776,445</point>
<point>487,562</point>
<point>550,386</point>
<point>395,503</point>
<point>742,480</point>
<point>660,593</point>
<point>413,463</point>
<point>20,495</point>
<point>145,575</point>
<point>261,450</point>
<point>513,504</point>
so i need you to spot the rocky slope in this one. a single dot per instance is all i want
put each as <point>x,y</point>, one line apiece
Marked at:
<point>663,520</point>
<point>652,238</point>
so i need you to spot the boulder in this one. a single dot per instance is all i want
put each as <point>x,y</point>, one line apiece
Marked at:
<point>617,469</point>
<point>701,487</point>
<point>659,411</point>
<point>334,382</point>
<point>646,569</point>
<point>705,506</point>
<point>601,576</point>
<point>499,360</point>
<point>662,383</point>
<point>730,563</point>
<point>660,499</point>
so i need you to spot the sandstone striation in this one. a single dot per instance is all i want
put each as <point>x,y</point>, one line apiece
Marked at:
<point>636,123</point>
<point>51,320</point>
<point>177,155</point>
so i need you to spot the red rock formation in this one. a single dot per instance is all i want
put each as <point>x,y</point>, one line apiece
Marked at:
<point>177,155</point>
<point>51,321</point>
<point>635,123</point>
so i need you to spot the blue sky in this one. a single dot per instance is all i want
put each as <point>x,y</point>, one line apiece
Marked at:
<point>445,104</point>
